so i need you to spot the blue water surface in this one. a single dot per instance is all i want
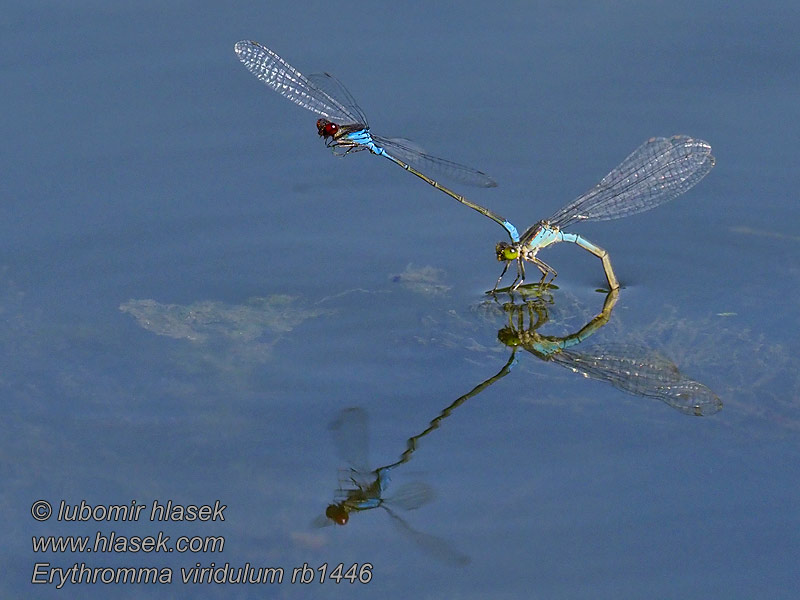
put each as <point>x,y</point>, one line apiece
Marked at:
<point>192,289</point>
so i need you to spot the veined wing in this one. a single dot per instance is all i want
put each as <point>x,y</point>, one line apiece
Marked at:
<point>658,171</point>
<point>432,166</point>
<point>351,438</point>
<point>290,83</point>
<point>433,546</point>
<point>335,90</point>
<point>411,496</point>
<point>642,372</point>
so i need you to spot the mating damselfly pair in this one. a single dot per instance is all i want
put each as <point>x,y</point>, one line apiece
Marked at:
<point>658,171</point>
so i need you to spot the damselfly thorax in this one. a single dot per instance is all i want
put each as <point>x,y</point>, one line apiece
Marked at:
<point>340,136</point>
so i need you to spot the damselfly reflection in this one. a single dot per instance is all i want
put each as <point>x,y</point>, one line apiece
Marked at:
<point>361,489</point>
<point>631,368</point>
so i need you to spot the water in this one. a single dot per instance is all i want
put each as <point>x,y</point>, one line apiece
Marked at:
<point>191,292</point>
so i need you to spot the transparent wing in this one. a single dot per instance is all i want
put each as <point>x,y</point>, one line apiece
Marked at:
<point>334,89</point>
<point>432,166</point>
<point>642,372</point>
<point>658,171</point>
<point>411,496</point>
<point>290,83</point>
<point>349,431</point>
<point>430,544</point>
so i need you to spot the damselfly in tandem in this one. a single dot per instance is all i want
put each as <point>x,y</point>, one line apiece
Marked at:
<point>343,125</point>
<point>658,171</point>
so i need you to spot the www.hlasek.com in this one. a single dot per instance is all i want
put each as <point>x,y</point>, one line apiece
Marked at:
<point>113,542</point>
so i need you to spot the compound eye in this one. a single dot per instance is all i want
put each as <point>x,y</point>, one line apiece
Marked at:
<point>326,129</point>
<point>337,514</point>
<point>510,253</point>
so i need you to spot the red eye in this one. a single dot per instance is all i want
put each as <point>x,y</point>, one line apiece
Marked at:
<point>326,129</point>
<point>337,514</point>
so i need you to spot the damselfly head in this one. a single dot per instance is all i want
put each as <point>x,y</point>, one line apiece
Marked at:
<point>509,337</point>
<point>506,251</point>
<point>337,513</point>
<point>326,129</point>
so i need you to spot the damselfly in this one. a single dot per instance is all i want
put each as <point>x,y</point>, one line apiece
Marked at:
<point>343,125</point>
<point>659,170</point>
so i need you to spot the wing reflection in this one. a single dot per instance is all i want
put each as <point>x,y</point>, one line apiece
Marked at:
<point>631,368</point>
<point>361,489</point>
